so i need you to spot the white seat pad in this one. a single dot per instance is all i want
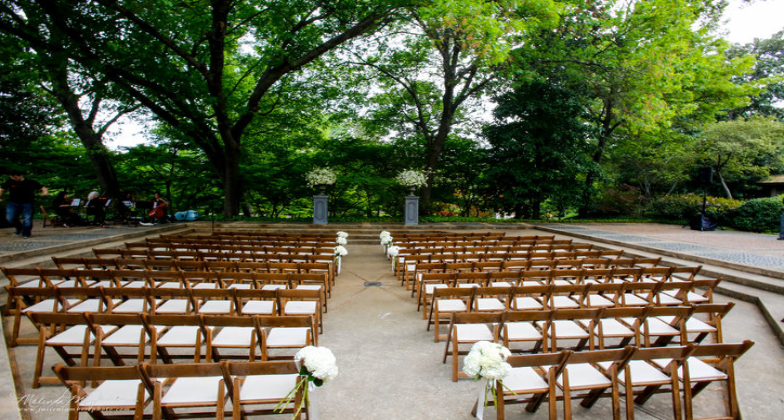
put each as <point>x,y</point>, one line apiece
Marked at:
<point>451,305</point>
<point>128,335</point>
<point>267,387</point>
<point>233,337</point>
<point>525,380</point>
<point>258,307</point>
<point>288,337</point>
<point>564,302</point>
<point>659,327</point>
<point>173,306</point>
<point>216,307</point>
<point>527,302</point>
<point>568,329</point>
<point>193,391</point>
<point>489,304</point>
<point>183,335</point>
<point>520,331</point>
<point>643,374</point>
<point>48,305</point>
<point>473,332</point>
<point>72,336</point>
<point>700,371</point>
<point>113,393</point>
<point>584,375</point>
<point>300,307</point>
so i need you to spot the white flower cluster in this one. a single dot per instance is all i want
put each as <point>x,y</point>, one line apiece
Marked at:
<point>392,251</point>
<point>342,234</point>
<point>386,238</point>
<point>487,360</point>
<point>341,239</point>
<point>319,362</point>
<point>340,251</point>
<point>320,176</point>
<point>412,178</point>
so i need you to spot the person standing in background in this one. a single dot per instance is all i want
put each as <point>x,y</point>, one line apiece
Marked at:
<point>781,226</point>
<point>21,194</point>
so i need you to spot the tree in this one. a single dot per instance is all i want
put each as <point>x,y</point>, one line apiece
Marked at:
<point>205,69</point>
<point>646,63</point>
<point>741,150</point>
<point>446,56</point>
<point>538,145</point>
<point>768,71</point>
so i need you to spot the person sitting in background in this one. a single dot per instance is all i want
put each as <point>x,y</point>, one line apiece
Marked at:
<point>62,207</point>
<point>159,211</point>
<point>96,206</point>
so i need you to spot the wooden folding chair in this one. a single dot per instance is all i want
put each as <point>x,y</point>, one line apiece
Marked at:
<point>234,333</point>
<point>589,375</point>
<point>527,327</point>
<point>192,386</point>
<point>302,302</point>
<point>468,328</point>
<point>532,379</point>
<point>53,221</point>
<point>572,325</point>
<point>444,302</point>
<point>641,371</point>
<point>75,334</point>
<point>286,332</point>
<point>709,363</point>
<point>121,390</point>
<point>260,388</point>
<point>182,332</point>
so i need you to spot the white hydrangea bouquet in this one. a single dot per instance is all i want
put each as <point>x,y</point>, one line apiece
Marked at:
<point>487,361</point>
<point>320,176</point>
<point>319,366</point>
<point>412,178</point>
<point>386,239</point>
<point>341,239</point>
<point>340,252</point>
<point>392,252</point>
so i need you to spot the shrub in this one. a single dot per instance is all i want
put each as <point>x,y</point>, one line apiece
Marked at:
<point>758,215</point>
<point>686,206</point>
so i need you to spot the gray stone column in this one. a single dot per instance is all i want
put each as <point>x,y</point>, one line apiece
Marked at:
<point>320,209</point>
<point>412,210</point>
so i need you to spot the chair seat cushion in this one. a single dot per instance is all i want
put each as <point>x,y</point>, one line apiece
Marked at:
<point>288,337</point>
<point>584,376</point>
<point>522,331</point>
<point>473,332</point>
<point>234,337</point>
<point>525,380</point>
<point>643,374</point>
<point>260,307</point>
<point>196,390</point>
<point>263,388</point>
<point>113,394</point>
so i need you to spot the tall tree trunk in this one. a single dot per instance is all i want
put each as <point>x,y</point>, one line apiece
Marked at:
<point>724,185</point>
<point>84,129</point>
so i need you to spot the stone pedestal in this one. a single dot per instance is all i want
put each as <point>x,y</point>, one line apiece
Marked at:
<point>320,209</point>
<point>412,210</point>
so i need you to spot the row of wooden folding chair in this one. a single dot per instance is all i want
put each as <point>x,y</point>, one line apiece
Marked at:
<point>565,294</point>
<point>271,234</point>
<point>437,236</point>
<point>402,252</point>
<point>209,256</point>
<point>410,270</point>
<point>239,240</point>
<point>185,390</point>
<point>162,279</point>
<point>310,250</point>
<point>501,242</point>
<point>404,262</point>
<point>174,265</point>
<point>166,301</point>
<point>634,373</point>
<point>448,300</point>
<point>151,337</point>
<point>581,328</point>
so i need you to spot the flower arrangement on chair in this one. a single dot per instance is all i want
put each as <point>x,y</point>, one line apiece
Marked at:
<point>319,366</point>
<point>487,361</point>
<point>386,239</point>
